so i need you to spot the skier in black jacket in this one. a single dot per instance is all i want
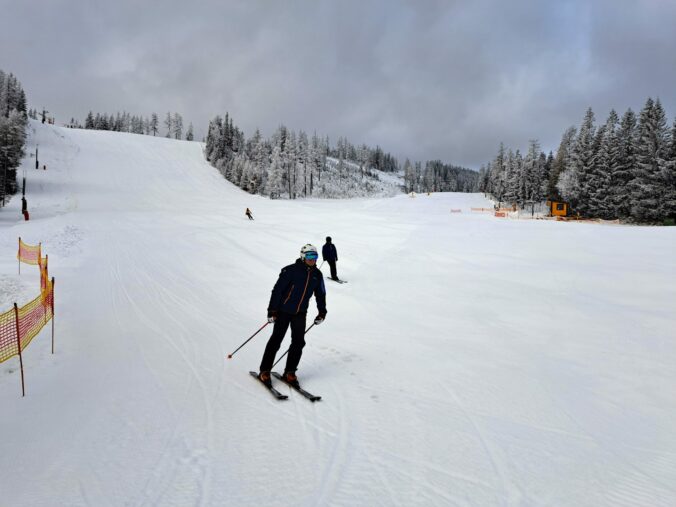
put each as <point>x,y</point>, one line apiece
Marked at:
<point>288,306</point>
<point>330,255</point>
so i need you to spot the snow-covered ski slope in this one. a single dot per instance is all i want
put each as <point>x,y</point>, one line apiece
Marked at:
<point>470,361</point>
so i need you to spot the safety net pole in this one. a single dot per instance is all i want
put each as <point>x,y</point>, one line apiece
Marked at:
<point>18,343</point>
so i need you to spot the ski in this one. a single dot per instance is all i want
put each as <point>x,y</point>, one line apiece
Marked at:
<point>338,281</point>
<point>298,388</point>
<point>274,391</point>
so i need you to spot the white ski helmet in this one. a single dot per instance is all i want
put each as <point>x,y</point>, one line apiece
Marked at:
<point>309,249</point>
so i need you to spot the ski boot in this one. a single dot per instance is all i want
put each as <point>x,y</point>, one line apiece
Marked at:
<point>290,378</point>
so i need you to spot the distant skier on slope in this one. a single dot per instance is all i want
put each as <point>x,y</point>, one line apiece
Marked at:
<point>248,213</point>
<point>288,306</point>
<point>330,255</point>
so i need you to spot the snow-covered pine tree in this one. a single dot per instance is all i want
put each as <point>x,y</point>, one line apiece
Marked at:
<point>483,180</point>
<point>533,175</point>
<point>519,191</point>
<point>549,164</point>
<point>302,164</point>
<point>497,177</point>
<point>178,126</point>
<point>169,124</point>
<point>275,184</point>
<point>317,160</point>
<point>561,162</point>
<point>582,162</point>
<point>12,141</point>
<point>419,176</point>
<point>623,170</point>
<point>289,157</point>
<point>510,176</point>
<point>140,125</point>
<point>670,176</point>
<point>598,176</point>
<point>647,196</point>
<point>4,94</point>
<point>154,123</point>
<point>227,132</point>
<point>540,192</point>
<point>189,136</point>
<point>605,164</point>
<point>222,150</point>
<point>213,135</point>
<point>409,176</point>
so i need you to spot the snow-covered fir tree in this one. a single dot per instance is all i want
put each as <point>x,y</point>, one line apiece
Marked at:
<point>13,120</point>
<point>606,161</point>
<point>154,124</point>
<point>670,177</point>
<point>562,160</point>
<point>169,124</point>
<point>177,125</point>
<point>647,186</point>
<point>581,164</point>
<point>623,171</point>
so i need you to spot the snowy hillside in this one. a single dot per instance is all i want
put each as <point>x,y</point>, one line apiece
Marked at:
<point>469,361</point>
<point>348,181</point>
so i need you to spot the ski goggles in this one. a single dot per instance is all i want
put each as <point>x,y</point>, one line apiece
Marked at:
<point>311,256</point>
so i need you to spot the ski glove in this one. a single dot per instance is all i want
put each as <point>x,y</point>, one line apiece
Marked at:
<point>272,315</point>
<point>320,318</point>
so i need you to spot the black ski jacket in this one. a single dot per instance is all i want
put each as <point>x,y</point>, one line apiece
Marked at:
<point>294,288</point>
<point>329,252</point>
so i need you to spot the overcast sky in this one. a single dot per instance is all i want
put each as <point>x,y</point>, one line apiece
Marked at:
<point>427,79</point>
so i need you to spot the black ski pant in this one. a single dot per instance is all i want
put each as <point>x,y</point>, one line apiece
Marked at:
<point>334,274</point>
<point>282,323</point>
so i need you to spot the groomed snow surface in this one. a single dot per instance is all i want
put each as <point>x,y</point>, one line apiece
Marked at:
<point>470,360</point>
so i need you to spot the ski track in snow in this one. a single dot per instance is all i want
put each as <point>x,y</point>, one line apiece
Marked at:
<point>470,361</point>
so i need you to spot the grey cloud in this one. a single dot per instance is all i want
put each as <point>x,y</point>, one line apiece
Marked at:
<point>435,79</point>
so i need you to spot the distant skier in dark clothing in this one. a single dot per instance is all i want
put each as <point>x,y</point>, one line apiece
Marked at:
<point>288,306</point>
<point>330,255</point>
<point>248,213</point>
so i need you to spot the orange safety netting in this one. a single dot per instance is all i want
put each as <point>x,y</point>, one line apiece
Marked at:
<point>8,341</point>
<point>44,275</point>
<point>32,318</point>
<point>35,315</point>
<point>29,254</point>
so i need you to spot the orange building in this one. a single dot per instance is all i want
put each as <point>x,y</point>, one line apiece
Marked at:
<point>558,209</point>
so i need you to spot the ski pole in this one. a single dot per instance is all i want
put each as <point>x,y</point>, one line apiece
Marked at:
<point>242,345</point>
<point>287,350</point>
<point>320,266</point>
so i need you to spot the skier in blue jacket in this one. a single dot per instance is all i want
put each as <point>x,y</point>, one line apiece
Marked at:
<point>288,306</point>
<point>330,255</point>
